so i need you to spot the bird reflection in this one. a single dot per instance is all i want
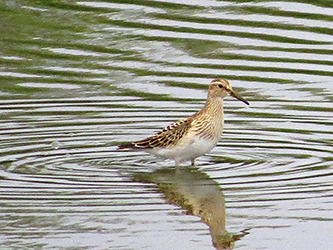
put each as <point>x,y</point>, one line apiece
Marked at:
<point>199,195</point>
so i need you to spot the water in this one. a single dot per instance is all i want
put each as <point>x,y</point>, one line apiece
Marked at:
<point>79,78</point>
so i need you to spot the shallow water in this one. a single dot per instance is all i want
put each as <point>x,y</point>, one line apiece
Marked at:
<point>79,78</point>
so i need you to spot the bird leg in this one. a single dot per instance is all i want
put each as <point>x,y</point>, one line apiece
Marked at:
<point>193,162</point>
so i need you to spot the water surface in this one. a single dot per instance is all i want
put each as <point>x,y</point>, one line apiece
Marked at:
<point>79,78</point>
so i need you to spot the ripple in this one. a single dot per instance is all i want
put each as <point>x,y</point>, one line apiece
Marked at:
<point>78,79</point>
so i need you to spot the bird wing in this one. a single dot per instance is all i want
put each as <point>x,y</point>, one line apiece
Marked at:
<point>169,136</point>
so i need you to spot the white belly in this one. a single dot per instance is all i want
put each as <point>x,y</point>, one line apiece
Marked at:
<point>193,149</point>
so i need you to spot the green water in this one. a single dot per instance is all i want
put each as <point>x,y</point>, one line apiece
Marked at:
<point>79,78</point>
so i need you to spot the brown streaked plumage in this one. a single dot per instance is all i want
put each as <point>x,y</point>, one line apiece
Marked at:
<point>196,135</point>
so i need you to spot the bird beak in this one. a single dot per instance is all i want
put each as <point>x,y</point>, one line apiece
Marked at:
<point>234,94</point>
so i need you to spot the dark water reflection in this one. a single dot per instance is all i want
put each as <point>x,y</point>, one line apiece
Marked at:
<point>198,195</point>
<point>79,78</point>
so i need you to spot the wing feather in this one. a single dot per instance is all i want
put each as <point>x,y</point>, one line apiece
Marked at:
<point>169,136</point>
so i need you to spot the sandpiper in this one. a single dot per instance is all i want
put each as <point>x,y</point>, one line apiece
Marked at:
<point>194,136</point>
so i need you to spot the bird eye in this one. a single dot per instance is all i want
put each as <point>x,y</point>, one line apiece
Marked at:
<point>220,86</point>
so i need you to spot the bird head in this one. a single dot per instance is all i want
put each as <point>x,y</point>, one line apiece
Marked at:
<point>220,88</point>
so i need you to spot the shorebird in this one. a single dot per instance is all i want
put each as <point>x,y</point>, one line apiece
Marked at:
<point>194,136</point>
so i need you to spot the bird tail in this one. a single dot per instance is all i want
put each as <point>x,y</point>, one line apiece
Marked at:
<point>126,146</point>
<point>138,145</point>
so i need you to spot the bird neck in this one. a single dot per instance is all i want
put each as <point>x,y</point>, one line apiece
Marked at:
<point>214,105</point>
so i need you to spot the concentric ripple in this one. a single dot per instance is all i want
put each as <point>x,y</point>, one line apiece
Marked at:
<point>80,78</point>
